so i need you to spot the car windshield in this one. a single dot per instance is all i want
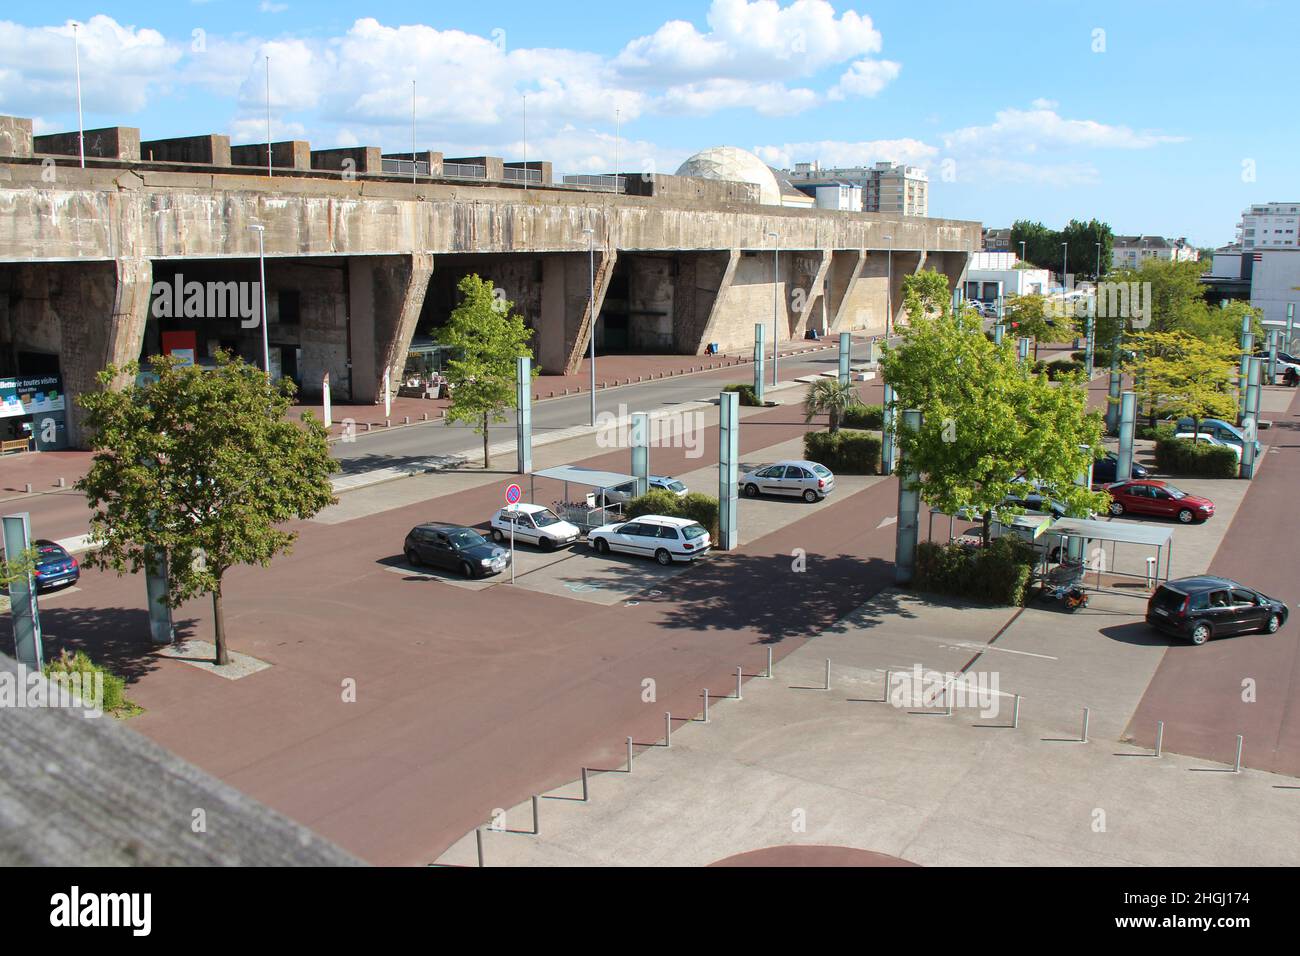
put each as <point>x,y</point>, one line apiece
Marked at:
<point>693,531</point>
<point>1174,492</point>
<point>545,517</point>
<point>674,485</point>
<point>822,471</point>
<point>461,540</point>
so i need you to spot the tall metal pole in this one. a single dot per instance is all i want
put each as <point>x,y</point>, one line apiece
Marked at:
<point>618,136</point>
<point>591,316</point>
<point>268,117</point>
<point>81,123</point>
<point>525,142</point>
<point>413,133</point>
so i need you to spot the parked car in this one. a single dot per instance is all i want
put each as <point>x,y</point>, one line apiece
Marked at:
<point>1205,438</point>
<point>654,536</point>
<point>533,524</point>
<point>1105,470</point>
<point>1202,607</point>
<point>616,495</point>
<point>55,567</point>
<point>1152,497</point>
<point>805,479</point>
<point>1229,434</point>
<point>669,483</point>
<point>454,548</point>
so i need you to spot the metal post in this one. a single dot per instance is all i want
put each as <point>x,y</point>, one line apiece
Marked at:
<point>639,437</point>
<point>591,312</point>
<point>1250,422</point>
<point>887,448</point>
<point>999,332</point>
<point>668,729</point>
<point>706,706</point>
<point>846,356</point>
<point>1272,358</point>
<point>81,123</point>
<point>728,462</point>
<point>524,414</point>
<point>739,676</point>
<point>478,839</point>
<point>828,674</point>
<point>326,401</point>
<point>629,755</point>
<point>1127,425</point>
<point>776,306</point>
<point>889,289</point>
<point>537,828</point>
<point>1083,737</point>
<point>1112,398</point>
<point>23,609</point>
<point>1290,329</point>
<point>1023,345</point>
<point>760,362</point>
<point>909,503</point>
<point>585,793</point>
<point>1160,737</point>
<point>1236,767</point>
<point>884,698</point>
<point>768,675</point>
<point>1015,713</point>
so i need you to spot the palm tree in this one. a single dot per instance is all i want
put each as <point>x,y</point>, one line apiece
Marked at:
<point>832,397</point>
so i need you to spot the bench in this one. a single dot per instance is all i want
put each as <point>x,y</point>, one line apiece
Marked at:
<point>12,446</point>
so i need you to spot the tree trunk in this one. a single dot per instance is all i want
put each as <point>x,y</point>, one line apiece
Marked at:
<point>835,420</point>
<point>219,627</point>
<point>486,461</point>
<point>986,527</point>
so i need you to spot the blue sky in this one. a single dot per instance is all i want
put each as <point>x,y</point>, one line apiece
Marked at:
<point>1157,116</point>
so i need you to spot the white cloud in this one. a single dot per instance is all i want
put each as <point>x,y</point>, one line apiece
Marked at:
<point>767,99</point>
<point>865,78</point>
<point>832,153</point>
<point>1028,131</point>
<point>268,7</point>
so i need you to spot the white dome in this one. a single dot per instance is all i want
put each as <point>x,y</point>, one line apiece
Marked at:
<point>737,165</point>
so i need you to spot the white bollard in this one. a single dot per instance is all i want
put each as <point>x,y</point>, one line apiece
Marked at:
<point>1237,765</point>
<point>1160,737</point>
<point>768,675</point>
<point>1083,738</point>
<point>739,675</point>
<point>1151,574</point>
<point>706,705</point>
<point>668,729</point>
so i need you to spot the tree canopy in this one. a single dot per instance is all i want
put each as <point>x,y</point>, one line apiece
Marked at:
<point>486,339</point>
<point>199,468</point>
<point>1178,374</point>
<point>1044,246</point>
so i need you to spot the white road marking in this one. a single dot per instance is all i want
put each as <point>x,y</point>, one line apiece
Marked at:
<point>1004,650</point>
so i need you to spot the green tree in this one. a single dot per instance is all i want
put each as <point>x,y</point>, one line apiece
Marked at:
<point>199,468</point>
<point>486,338</point>
<point>1027,315</point>
<point>986,420</point>
<point>1082,239</point>
<point>1040,249</point>
<point>1180,375</point>
<point>831,397</point>
<point>926,294</point>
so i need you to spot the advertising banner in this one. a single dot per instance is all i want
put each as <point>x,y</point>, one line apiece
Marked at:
<point>30,395</point>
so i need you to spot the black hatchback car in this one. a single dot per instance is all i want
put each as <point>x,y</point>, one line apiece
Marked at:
<point>454,548</point>
<point>1203,607</point>
<point>1106,469</point>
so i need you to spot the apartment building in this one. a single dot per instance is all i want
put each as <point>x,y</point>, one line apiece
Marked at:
<point>1129,252</point>
<point>886,187</point>
<point>1270,225</point>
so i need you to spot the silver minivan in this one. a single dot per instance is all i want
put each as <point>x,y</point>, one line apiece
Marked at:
<point>804,479</point>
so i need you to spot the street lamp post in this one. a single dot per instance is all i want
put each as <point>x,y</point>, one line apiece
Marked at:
<point>591,315</point>
<point>1065,264</point>
<point>1098,277</point>
<point>1022,250</point>
<point>889,288</point>
<point>261,266</point>
<point>776,301</point>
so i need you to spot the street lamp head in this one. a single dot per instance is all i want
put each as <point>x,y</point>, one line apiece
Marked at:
<point>257,226</point>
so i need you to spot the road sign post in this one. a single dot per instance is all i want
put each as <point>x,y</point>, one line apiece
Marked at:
<point>513,494</point>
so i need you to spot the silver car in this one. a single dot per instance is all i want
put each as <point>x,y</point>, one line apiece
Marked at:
<point>804,479</point>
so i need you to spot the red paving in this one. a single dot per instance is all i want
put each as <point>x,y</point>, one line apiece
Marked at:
<point>784,856</point>
<point>1197,691</point>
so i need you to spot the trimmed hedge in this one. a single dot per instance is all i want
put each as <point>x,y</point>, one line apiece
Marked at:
<point>696,506</point>
<point>747,395</point>
<point>1182,456</point>
<point>847,452</point>
<point>998,574</point>
<point>1054,370</point>
<point>870,417</point>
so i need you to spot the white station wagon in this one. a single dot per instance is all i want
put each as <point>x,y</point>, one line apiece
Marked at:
<point>653,536</point>
<point>534,524</point>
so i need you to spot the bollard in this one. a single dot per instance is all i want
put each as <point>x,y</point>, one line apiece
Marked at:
<point>1160,737</point>
<point>536,826</point>
<point>585,794</point>
<point>668,729</point>
<point>406,419</point>
<point>884,697</point>
<point>1015,713</point>
<point>1083,738</point>
<point>388,423</point>
<point>478,838</point>
<point>368,423</point>
<point>768,675</point>
<point>424,416</point>
<point>1151,574</point>
<point>828,674</point>
<point>706,705</point>
<point>629,755</point>
<point>947,702</point>
<point>27,488</point>
<point>1237,766</point>
<point>739,675</point>
<point>61,483</point>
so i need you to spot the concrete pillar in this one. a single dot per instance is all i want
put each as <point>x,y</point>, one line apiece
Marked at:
<point>1127,425</point>
<point>909,507</point>
<point>566,307</point>
<point>161,628</point>
<point>760,361</point>
<point>1022,348</point>
<point>1271,378</point>
<point>524,414</point>
<point>999,331</point>
<point>385,296</point>
<point>703,307</point>
<point>1250,421</point>
<point>23,610</point>
<point>639,439</point>
<point>1243,369</point>
<point>1091,337</point>
<point>728,461</point>
<point>814,300</point>
<point>887,450</point>
<point>846,357</point>
<point>1112,400</point>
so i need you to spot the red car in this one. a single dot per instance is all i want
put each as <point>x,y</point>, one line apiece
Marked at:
<point>1151,497</point>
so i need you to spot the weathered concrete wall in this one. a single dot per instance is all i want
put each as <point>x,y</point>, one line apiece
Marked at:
<point>111,142</point>
<point>15,137</point>
<point>208,150</point>
<point>701,277</point>
<point>566,293</point>
<point>748,298</point>
<point>651,290</point>
<point>355,159</point>
<point>386,295</point>
<point>289,154</point>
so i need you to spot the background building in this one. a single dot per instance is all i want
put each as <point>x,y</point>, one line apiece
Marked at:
<point>1270,225</point>
<point>994,274</point>
<point>886,187</point>
<point>845,197</point>
<point>995,240</point>
<point>1129,252</point>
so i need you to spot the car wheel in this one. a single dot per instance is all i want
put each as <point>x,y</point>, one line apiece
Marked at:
<point>1201,633</point>
<point>1274,622</point>
<point>497,536</point>
<point>412,558</point>
<point>1116,508</point>
<point>663,557</point>
<point>810,496</point>
<point>547,544</point>
<point>1186,516</point>
<point>602,546</point>
<point>751,491</point>
<point>466,570</point>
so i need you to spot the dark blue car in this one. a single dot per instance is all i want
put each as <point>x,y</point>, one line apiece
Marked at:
<point>55,567</point>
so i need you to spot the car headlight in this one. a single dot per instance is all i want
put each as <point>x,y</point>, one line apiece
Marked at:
<point>486,562</point>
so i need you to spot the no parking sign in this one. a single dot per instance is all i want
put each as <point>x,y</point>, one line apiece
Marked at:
<point>513,494</point>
